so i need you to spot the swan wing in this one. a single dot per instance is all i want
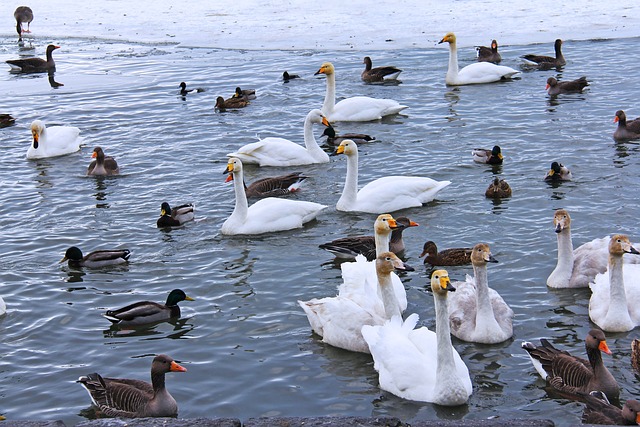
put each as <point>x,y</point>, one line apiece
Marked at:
<point>393,193</point>
<point>484,72</point>
<point>273,214</point>
<point>273,151</point>
<point>364,109</point>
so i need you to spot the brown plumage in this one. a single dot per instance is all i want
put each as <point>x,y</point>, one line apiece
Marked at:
<point>35,65</point>
<point>23,14</point>
<point>378,74</point>
<point>554,87</point>
<point>489,54</point>
<point>333,139</point>
<point>102,165</point>
<point>274,186</point>
<point>498,189</point>
<point>117,397</point>
<point>626,129</point>
<point>600,411</point>
<point>447,257</point>
<point>570,374</point>
<point>547,62</point>
<point>224,104</point>
<point>635,354</point>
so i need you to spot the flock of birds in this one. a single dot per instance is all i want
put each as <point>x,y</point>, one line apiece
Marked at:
<point>368,312</point>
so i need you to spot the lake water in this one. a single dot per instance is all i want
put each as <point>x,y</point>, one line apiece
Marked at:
<point>246,343</point>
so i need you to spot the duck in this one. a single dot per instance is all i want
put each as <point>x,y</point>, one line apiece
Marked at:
<point>286,76</point>
<point>547,62</point>
<point>350,247</point>
<point>53,141</point>
<point>478,313</point>
<point>418,364</point>
<point>498,189</point>
<point>558,172</point>
<point>554,87</point>
<point>635,355</point>
<point>334,139</point>
<point>615,294</point>
<point>275,186</point>
<point>489,54</point>
<point>339,319</point>
<point>95,259</point>
<point>266,215</point>
<point>383,195</point>
<point>129,398</point>
<point>223,105</point>
<point>184,91</point>
<point>356,108</point>
<point>7,120</point>
<point>23,14</point>
<point>446,257</point>
<point>176,216</point>
<point>571,375</point>
<point>145,312</point>
<point>102,165</point>
<point>626,130</point>
<point>378,74</point>
<point>476,73</point>
<point>490,157</point>
<point>598,410</point>
<point>246,94</point>
<point>35,65</point>
<point>275,151</point>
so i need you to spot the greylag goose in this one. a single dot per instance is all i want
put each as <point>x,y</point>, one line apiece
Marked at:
<point>176,216</point>
<point>35,65</point>
<point>102,165</point>
<point>145,312</point>
<point>498,189</point>
<point>635,354</point>
<point>184,91</point>
<point>558,172</point>
<point>53,141</point>
<point>490,157</point>
<point>333,139</point>
<point>570,374</point>
<point>547,62</point>
<point>246,94</point>
<point>119,397</point>
<point>275,186</point>
<point>286,76</point>
<point>554,87</point>
<point>378,74</point>
<point>626,129</point>
<point>447,257</point>
<point>95,259</point>
<point>598,410</point>
<point>223,105</point>
<point>489,54</point>
<point>23,14</point>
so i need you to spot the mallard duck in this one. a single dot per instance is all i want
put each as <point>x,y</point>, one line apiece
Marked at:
<point>275,186</point>
<point>378,74</point>
<point>547,62</point>
<point>447,257</point>
<point>102,165</point>
<point>144,312</point>
<point>176,216</point>
<point>479,72</point>
<point>598,410</point>
<point>489,54</point>
<point>230,103</point>
<point>570,374</point>
<point>35,65</point>
<point>127,398</point>
<point>23,14</point>
<point>53,141</point>
<point>558,172</point>
<point>286,76</point>
<point>490,157</point>
<point>95,259</point>
<point>246,94</point>
<point>6,120</point>
<point>554,87</point>
<point>333,139</point>
<point>626,129</point>
<point>184,91</point>
<point>498,189</point>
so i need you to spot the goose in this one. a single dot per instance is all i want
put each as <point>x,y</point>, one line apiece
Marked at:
<point>102,165</point>
<point>598,410</point>
<point>446,257</point>
<point>266,215</point>
<point>274,151</point>
<point>23,14</point>
<point>383,195</point>
<point>53,141</point>
<point>128,398</point>
<point>95,259</point>
<point>635,355</point>
<point>176,216</point>
<point>558,172</point>
<point>547,62</point>
<point>418,364</point>
<point>354,109</point>
<point>378,74</point>
<point>184,91</point>
<point>479,72</point>
<point>498,189</point>
<point>478,313</point>
<point>223,105</point>
<point>350,247</point>
<point>333,139</point>
<point>275,186</point>
<point>246,94</point>
<point>145,312</point>
<point>339,319</point>
<point>554,87</point>
<point>615,295</point>
<point>626,129</point>
<point>286,76</point>
<point>490,157</point>
<point>489,54</point>
<point>570,374</point>
<point>35,65</point>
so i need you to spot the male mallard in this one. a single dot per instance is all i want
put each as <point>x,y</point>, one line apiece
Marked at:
<point>174,217</point>
<point>144,312</point>
<point>95,259</point>
<point>246,94</point>
<point>558,172</point>
<point>490,157</point>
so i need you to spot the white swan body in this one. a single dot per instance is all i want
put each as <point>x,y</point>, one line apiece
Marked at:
<point>478,313</point>
<point>53,141</point>
<point>386,194</point>
<point>615,295</point>
<point>354,109</point>
<point>274,151</point>
<point>266,215</point>
<point>417,364</point>
<point>476,73</point>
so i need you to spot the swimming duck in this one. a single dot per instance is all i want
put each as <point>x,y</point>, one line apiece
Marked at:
<point>23,14</point>
<point>555,87</point>
<point>626,129</point>
<point>598,410</point>
<point>230,103</point>
<point>54,141</point>
<point>128,398</point>
<point>356,108</point>
<point>176,216</point>
<point>378,74</point>
<point>333,139</point>
<point>490,157</point>
<point>275,186</point>
<point>35,65</point>
<point>489,54</point>
<point>6,120</point>
<point>95,259</point>
<point>102,165</point>
<point>447,257</point>
<point>479,72</point>
<point>144,312</point>
<point>570,374</point>
<point>558,172</point>
<point>498,189</point>
<point>547,62</point>
<point>246,94</point>
<point>184,91</point>
<point>286,76</point>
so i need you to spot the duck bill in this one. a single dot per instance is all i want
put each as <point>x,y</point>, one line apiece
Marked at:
<point>188,298</point>
<point>229,178</point>
<point>63,260</point>
<point>604,347</point>
<point>177,368</point>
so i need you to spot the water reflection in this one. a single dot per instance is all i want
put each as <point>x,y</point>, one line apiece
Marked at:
<point>101,191</point>
<point>181,328</point>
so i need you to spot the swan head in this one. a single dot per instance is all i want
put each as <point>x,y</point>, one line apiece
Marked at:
<point>37,130</point>
<point>347,147</point>
<point>620,245</point>
<point>384,224</point>
<point>448,38</point>
<point>440,282</point>
<point>561,220</point>
<point>596,340</point>
<point>326,69</point>
<point>316,116</point>
<point>481,254</point>
<point>387,262</point>
<point>234,166</point>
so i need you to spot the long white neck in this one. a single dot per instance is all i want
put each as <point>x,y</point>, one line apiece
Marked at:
<point>242,206</point>
<point>485,318</point>
<point>618,297</point>
<point>310,142</point>
<point>330,95</point>
<point>446,366</point>
<point>350,190</point>
<point>389,300</point>
<point>452,72</point>
<point>382,242</point>
<point>561,275</point>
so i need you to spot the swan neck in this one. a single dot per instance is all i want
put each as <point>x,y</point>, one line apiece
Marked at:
<point>618,296</point>
<point>350,190</point>
<point>389,300</point>
<point>482,291</point>
<point>452,72</point>
<point>242,205</point>
<point>330,95</point>
<point>310,142</point>
<point>443,335</point>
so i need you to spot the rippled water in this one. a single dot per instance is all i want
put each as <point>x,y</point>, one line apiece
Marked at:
<point>246,343</point>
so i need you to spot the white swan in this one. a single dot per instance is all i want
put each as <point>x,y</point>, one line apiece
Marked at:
<point>478,313</point>
<point>54,141</point>
<point>339,320</point>
<point>387,194</point>
<point>266,215</point>
<point>274,151</point>
<point>354,109</point>
<point>615,297</point>
<point>478,72</point>
<point>418,364</point>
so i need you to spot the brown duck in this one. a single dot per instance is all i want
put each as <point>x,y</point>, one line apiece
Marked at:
<point>23,14</point>
<point>447,257</point>
<point>554,87</point>
<point>547,62</point>
<point>600,411</point>
<point>498,189</point>
<point>378,74</point>
<point>489,54</point>
<point>35,65</point>
<point>230,103</point>
<point>102,165</point>
<point>626,129</point>
<point>274,186</point>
